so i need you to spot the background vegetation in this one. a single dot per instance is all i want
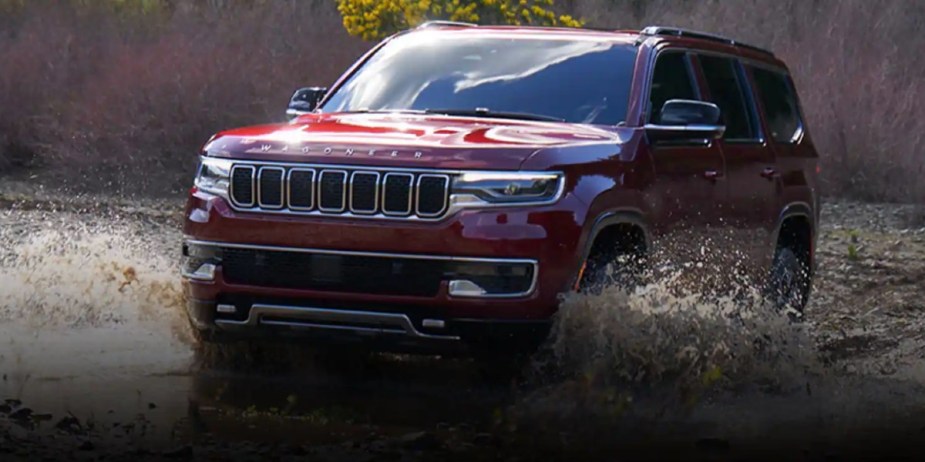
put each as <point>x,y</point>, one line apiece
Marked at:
<point>119,94</point>
<point>376,19</point>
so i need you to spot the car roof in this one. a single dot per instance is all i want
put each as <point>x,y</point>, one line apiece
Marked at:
<point>655,36</point>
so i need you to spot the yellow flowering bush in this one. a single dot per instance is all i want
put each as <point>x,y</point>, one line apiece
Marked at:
<point>376,19</point>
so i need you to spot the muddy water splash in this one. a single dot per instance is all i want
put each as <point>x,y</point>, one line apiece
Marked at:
<point>75,273</point>
<point>672,342</point>
<point>85,291</point>
<point>655,335</point>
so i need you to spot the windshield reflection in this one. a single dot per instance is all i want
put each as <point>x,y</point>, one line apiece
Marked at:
<point>576,80</point>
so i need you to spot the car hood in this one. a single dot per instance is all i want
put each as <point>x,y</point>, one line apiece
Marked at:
<point>405,140</point>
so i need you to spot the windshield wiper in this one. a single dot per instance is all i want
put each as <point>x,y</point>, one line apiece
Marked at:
<point>484,112</point>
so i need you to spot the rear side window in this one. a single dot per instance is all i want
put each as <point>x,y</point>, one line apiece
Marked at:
<point>671,79</point>
<point>779,101</point>
<point>724,79</point>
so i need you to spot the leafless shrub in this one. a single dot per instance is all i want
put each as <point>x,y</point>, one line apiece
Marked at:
<point>855,65</point>
<point>106,96</point>
<point>123,102</point>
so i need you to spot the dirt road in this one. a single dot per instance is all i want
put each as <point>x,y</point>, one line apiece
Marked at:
<point>94,360</point>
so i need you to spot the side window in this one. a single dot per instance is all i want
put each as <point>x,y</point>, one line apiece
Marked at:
<point>724,79</point>
<point>780,104</point>
<point>671,79</point>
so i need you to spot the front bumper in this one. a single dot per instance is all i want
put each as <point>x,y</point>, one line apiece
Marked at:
<point>370,329</point>
<point>548,237</point>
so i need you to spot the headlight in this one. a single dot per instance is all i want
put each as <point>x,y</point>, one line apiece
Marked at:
<point>213,175</point>
<point>512,188</point>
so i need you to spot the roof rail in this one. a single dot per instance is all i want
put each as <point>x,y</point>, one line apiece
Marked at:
<point>678,32</point>
<point>446,23</point>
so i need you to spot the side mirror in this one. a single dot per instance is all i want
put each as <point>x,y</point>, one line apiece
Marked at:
<point>304,100</point>
<point>686,120</point>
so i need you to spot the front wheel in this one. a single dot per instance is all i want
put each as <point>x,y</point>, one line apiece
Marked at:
<point>611,269</point>
<point>789,283</point>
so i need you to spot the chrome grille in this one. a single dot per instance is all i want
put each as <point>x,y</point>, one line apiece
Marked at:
<point>350,191</point>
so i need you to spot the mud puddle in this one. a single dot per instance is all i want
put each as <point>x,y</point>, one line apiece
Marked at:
<point>93,345</point>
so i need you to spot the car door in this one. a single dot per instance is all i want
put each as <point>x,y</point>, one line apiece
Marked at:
<point>689,189</point>
<point>780,110</point>
<point>750,166</point>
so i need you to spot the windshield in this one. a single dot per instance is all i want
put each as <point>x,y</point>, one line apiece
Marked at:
<point>576,80</point>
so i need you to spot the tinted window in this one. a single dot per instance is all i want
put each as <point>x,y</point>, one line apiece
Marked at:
<point>578,80</point>
<point>726,91</point>
<point>779,102</point>
<point>671,80</point>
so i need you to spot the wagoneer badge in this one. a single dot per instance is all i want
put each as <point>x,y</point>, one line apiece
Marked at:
<point>265,148</point>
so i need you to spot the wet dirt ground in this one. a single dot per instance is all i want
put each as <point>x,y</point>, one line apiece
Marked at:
<point>95,362</point>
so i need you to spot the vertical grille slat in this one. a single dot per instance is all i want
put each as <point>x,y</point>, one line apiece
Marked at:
<point>397,194</point>
<point>301,189</point>
<point>242,185</point>
<point>270,187</point>
<point>332,191</point>
<point>362,191</point>
<point>432,194</point>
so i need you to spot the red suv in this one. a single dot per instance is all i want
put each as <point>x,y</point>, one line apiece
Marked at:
<point>458,179</point>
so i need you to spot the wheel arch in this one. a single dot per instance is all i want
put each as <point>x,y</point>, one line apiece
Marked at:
<point>612,220</point>
<point>796,229</point>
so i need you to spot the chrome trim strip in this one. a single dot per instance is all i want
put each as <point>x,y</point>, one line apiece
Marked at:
<point>433,323</point>
<point>311,205</point>
<point>282,187</point>
<point>417,195</point>
<point>343,199</point>
<point>234,201</point>
<point>385,182</point>
<point>317,213</point>
<point>375,194</point>
<point>353,253</point>
<point>390,323</point>
<point>358,253</point>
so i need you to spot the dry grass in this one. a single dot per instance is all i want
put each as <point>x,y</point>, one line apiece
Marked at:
<point>104,96</point>
<point>123,102</point>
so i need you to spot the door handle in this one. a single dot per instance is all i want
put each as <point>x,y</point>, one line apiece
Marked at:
<point>712,175</point>
<point>769,173</point>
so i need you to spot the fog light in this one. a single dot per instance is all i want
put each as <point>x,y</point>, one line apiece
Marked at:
<point>205,272</point>
<point>199,216</point>
<point>464,288</point>
<point>489,279</point>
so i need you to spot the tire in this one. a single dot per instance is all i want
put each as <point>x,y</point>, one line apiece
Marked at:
<point>611,269</point>
<point>789,284</point>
